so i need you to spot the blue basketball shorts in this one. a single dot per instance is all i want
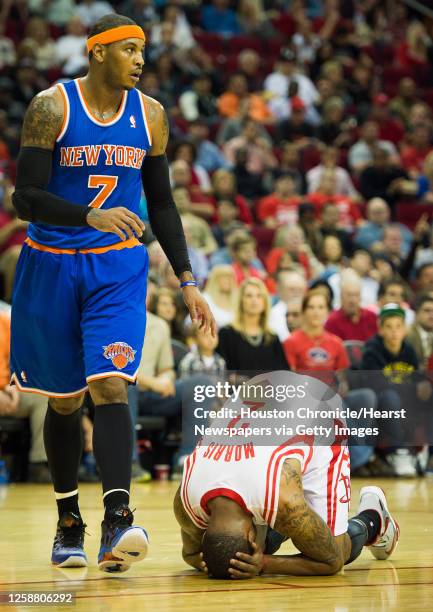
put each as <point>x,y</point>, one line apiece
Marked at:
<point>77,315</point>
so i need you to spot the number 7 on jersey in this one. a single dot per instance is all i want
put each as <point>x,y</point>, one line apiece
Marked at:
<point>108,185</point>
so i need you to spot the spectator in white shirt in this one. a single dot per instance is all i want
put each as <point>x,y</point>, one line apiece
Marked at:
<point>329,159</point>
<point>7,49</point>
<point>182,36</point>
<point>278,82</point>
<point>361,153</point>
<point>90,11</point>
<point>361,264</point>
<point>291,287</point>
<point>71,48</point>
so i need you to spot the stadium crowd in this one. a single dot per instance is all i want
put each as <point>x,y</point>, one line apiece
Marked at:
<point>301,157</point>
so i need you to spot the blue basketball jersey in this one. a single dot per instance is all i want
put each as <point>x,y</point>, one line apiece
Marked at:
<point>96,163</point>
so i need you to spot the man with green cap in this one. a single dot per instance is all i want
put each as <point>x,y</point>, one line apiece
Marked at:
<point>397,382</point>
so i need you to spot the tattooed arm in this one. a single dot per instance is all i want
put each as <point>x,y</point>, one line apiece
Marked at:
<point>158,124</point>
<point>43,120</point>
<point>321,552</point>
<point>191,535</point>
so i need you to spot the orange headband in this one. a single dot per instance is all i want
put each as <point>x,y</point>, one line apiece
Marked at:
<point>115,34</point>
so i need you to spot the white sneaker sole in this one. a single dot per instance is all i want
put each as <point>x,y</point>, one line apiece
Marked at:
<point>72,561</point>
<point>132,547</point>
<point>378,549</point>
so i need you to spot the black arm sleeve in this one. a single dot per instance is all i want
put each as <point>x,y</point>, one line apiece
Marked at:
<point>30,199</point>
<point>164,218</point>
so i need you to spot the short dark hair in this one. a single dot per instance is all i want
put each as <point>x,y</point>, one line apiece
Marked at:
<point>107,22</point>
<point>219,548</point>
<point>383,287</point>
<point>318,291</point>
<point>241,241</point>
<point>422,299</point>
<point>363,251</point>
<point>422,267</point>
<point>184,143</point>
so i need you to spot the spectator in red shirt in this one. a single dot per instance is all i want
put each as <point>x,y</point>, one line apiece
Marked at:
<point>414,154</point>
<point>412,52</point>
<point>281,207</point>
<point>351,322</point>
<point>291,240</point>
<point>389,128</point>
<point>243,252</point>
<point>311,348</point>
<point>349,214</point>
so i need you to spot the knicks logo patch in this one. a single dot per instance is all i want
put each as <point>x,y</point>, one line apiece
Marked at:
<point>119,353</point>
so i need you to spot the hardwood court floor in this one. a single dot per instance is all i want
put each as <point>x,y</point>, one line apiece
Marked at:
<point>163,582</point>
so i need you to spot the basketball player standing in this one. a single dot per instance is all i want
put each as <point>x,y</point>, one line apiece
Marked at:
<point>78,315</point>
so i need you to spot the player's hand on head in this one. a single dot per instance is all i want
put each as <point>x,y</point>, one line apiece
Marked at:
<point>118,220</point>
<point>200,313</point>
<point>247,566</point>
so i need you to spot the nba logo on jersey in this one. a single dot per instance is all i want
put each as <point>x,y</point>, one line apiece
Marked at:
<point>132,121</point>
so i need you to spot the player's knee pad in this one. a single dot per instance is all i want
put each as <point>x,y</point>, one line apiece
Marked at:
<point>357,533</point>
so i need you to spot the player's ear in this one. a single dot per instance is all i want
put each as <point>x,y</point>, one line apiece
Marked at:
<point>252,534</point>
<point>99,52</point>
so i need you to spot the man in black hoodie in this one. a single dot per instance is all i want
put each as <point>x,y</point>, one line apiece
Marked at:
<point>398,384</point>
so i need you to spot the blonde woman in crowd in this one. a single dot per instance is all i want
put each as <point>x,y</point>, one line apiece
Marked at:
<point>248,344</point>
<point>221,294</point>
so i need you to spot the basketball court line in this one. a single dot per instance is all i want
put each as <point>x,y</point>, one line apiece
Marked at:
<point>275,586</point>
<point>149,577</point>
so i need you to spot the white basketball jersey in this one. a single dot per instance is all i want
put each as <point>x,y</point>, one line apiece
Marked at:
<point>250,475</point>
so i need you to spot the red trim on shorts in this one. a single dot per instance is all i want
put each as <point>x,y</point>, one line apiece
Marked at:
<point>340,466</point>
<point>223,492</point>
<point>329,499</point>
<point>308,459</point>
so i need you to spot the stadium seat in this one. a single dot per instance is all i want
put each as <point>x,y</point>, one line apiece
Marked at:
<point>179,350</point>
<point>354,350</point>
<point>264,237</point>
<point>212,43</point>
<point>409,213</point>
<point>15,442</point>
<point>150,423</point>
<point>285,24</point>
<point>239,43</point>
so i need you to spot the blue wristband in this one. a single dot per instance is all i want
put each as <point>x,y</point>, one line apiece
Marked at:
<point>189,283</point>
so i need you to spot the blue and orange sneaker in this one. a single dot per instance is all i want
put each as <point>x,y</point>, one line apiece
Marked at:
<point>68,547</point>
<point>121,543</point>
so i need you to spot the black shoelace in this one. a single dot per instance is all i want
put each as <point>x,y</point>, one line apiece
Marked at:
<point>71,536</point>
<point>120,517</point>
